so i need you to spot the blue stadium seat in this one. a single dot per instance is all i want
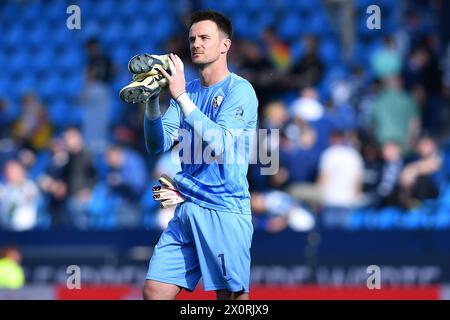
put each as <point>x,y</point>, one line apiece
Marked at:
<point>25,84</point>
<point>72,84</point>
<point>356,219</point>
<point>55,11</point>
<point>329,50</point>
<point>128,9</point>
<point>121,55</point>
<point>264,19</point>
<point>318,24</point>
<point>102,208</point>
<point>32,11</point>
<point>4,85</point>
<point>297,50</point>
<point>442,219</point>
<point>114,31</point>
<point>389,218</point>
<point>229,7</point>
<point>15,35</point>
<point>252,6</point>
<point>17,61</point>
<point>370,220</point>
<point>241,22</point>
<point>70,60</point>
<point>105,9</point>
<point>44,220</point>
<point>415,219</point>
<point>152,10</point>
<point>44,58</point>
<point>290,26</point>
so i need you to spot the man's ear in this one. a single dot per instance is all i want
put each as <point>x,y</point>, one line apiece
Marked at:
<point>226,44</point>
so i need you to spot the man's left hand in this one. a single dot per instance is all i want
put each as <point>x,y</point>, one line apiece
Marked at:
<point>177,82</point>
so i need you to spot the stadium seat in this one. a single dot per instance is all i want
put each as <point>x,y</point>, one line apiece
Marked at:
<point>290,26</point>
<point>415,219</point>
<point>241,22</point>
<point>389,218</point>
<point>252,6</point>
<point>356,219</point>
<point>43,58</point>
<point>329,50</point>
<point>442,219</point>
<point>318,24</point>
<point>102,208</point>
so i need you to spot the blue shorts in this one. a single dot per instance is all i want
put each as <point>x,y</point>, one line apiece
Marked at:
<point>201,242</point>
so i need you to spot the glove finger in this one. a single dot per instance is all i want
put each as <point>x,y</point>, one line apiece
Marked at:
<point>169,203</point>
<point>166,181</point>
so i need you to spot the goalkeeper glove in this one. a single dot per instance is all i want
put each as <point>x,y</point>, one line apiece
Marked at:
<point>167,193</point>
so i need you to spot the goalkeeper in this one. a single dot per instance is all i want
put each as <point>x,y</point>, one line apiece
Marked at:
<point>211,232</point>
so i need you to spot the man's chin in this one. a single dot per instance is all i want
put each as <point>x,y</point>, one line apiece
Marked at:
<point>199,63</point>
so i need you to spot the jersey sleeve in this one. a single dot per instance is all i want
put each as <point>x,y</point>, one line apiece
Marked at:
<point>161,133</point>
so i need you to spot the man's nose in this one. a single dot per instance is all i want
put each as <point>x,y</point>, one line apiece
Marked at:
<point>196,44</point>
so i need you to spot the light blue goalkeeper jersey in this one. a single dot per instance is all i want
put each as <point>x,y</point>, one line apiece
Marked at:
<point>215,141</point>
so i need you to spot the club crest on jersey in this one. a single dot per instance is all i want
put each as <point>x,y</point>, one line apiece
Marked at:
<point>217,101</point>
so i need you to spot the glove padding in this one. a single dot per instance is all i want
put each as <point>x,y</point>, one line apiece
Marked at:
<point>167,193</point>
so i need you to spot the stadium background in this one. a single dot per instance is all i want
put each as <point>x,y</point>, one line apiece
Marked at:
<point>76,179</point>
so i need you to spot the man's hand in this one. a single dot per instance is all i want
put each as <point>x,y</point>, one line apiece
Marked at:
<point>177,82</point>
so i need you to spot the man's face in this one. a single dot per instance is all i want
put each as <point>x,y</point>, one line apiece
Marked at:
<point>206,42</point>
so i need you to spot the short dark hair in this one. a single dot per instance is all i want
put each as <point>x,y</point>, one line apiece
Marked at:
<point>222,22</point>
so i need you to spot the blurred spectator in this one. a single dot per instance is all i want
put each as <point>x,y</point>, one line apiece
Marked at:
<point>275,210</point>
<point>33,128</point>
<point>419,180</point>
<point>256,68</point>
<point>307,105</point>
<point>275,115</point>
<point>276,50</point>
<point>307,108</point>
<point>299,180</point>
<point>96,98</point>
<point>126,180</point>
<point>423,75</point>
<point>52,184</point>
<point>387,189</point>
<point>19,199</point>
<point>6,118</point>
<point>372,171</point>
<point>99,66</point>
<point>309,70</point>
<point>79,175</point>
<point>340,180</point>
<point>395,115</point>
<point>386,62</point>
<point>11,272</point>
